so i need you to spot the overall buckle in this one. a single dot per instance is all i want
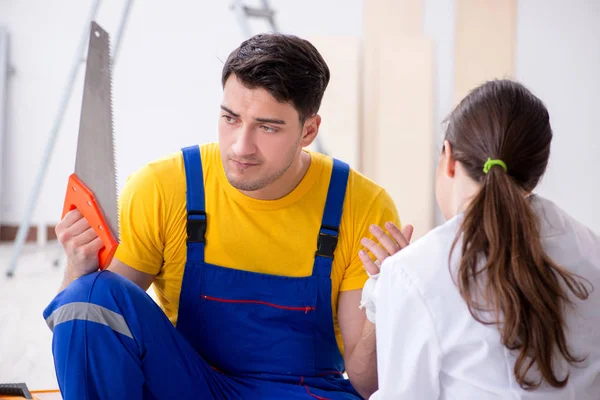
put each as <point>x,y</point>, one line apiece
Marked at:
<point>327,241</point>
<point>196,227</point>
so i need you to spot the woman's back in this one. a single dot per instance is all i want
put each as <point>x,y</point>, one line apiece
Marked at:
<point>430,327</point>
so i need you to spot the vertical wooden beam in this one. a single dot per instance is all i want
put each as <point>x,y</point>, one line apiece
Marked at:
<point>485,43</point>
<point>405,147</point>
<point>390,19</point>
<point>397,149</point>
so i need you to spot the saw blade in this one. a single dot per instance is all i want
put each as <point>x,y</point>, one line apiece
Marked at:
<point>95,159</point>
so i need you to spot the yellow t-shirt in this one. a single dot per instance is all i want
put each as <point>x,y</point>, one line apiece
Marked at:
<point>272,237</point>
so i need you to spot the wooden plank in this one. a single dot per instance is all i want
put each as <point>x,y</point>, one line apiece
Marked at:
<point>405,163</point>
<point>392,19</point>
<point>46,394</point>
<point>484,43</point>
<point>339,130</point>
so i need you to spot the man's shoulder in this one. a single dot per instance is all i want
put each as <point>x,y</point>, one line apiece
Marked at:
<point>169,165</point>
<point>168,170</point>
<point>367,193</point>
<point>358,184</point>
<point>364,197</point>
<point>210,151</point>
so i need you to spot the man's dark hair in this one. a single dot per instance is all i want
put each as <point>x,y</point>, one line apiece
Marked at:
<point>289,68</point>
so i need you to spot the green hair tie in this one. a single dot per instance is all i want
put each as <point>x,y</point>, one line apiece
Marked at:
<point>490,163</point>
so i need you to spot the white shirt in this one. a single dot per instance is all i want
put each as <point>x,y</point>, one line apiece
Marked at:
<point>430,347</point>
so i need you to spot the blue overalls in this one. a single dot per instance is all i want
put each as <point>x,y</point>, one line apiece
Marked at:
<point>239,334</point>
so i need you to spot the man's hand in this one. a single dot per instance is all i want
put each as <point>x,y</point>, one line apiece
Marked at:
<point>81,245</point>
<point>388,245</point>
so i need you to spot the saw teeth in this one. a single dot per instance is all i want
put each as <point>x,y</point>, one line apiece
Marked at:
<point>114,144</point>
<point>93,161</point>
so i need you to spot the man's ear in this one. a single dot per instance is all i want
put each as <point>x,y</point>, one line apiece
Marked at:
<point>310,130</point>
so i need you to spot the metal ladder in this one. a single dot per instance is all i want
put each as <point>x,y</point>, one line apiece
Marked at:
<point>243,13</point>
<point>66,96</point>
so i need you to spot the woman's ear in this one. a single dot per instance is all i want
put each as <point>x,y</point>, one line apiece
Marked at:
<point>449,163</point>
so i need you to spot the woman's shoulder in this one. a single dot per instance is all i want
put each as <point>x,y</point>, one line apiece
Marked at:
<point>568,241</point>
<point>555,221</point>
<point>426,260</point>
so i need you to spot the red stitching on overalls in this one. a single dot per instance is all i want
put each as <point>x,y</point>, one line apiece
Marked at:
<point>301,381</point>
<point>314,395</point>
<point>306,309</point>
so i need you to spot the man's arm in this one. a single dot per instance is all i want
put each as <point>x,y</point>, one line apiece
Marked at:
<point>358,335</point>
<point>81,244</point>
<point>140,229</point>
<point>140,278</point>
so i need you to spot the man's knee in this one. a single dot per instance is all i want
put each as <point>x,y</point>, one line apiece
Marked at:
<point>103,288</point>
<point>105,282</point>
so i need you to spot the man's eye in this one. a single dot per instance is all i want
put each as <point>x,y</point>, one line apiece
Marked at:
<point>268,129</point>
<point>229,119</point>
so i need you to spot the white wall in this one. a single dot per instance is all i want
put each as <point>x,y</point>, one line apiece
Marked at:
<point>167,90</point>
<point>439,27</point>
<point>4,72</point>
<point>166,81</point>
<point>558,58</point>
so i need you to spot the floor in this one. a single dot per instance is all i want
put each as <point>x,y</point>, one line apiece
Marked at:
<point>25,340</point>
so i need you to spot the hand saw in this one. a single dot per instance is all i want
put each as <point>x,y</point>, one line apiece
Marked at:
<point>92,188</point>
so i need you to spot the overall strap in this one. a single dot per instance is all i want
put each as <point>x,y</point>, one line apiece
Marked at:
<point>332,215</point>
<point>196,212</point>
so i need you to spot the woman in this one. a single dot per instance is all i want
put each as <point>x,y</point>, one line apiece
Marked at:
<point>497,303</point>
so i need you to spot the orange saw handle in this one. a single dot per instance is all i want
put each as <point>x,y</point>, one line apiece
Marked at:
<point>80,197</point>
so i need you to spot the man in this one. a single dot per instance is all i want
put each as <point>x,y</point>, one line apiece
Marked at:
<point>252,245</point>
